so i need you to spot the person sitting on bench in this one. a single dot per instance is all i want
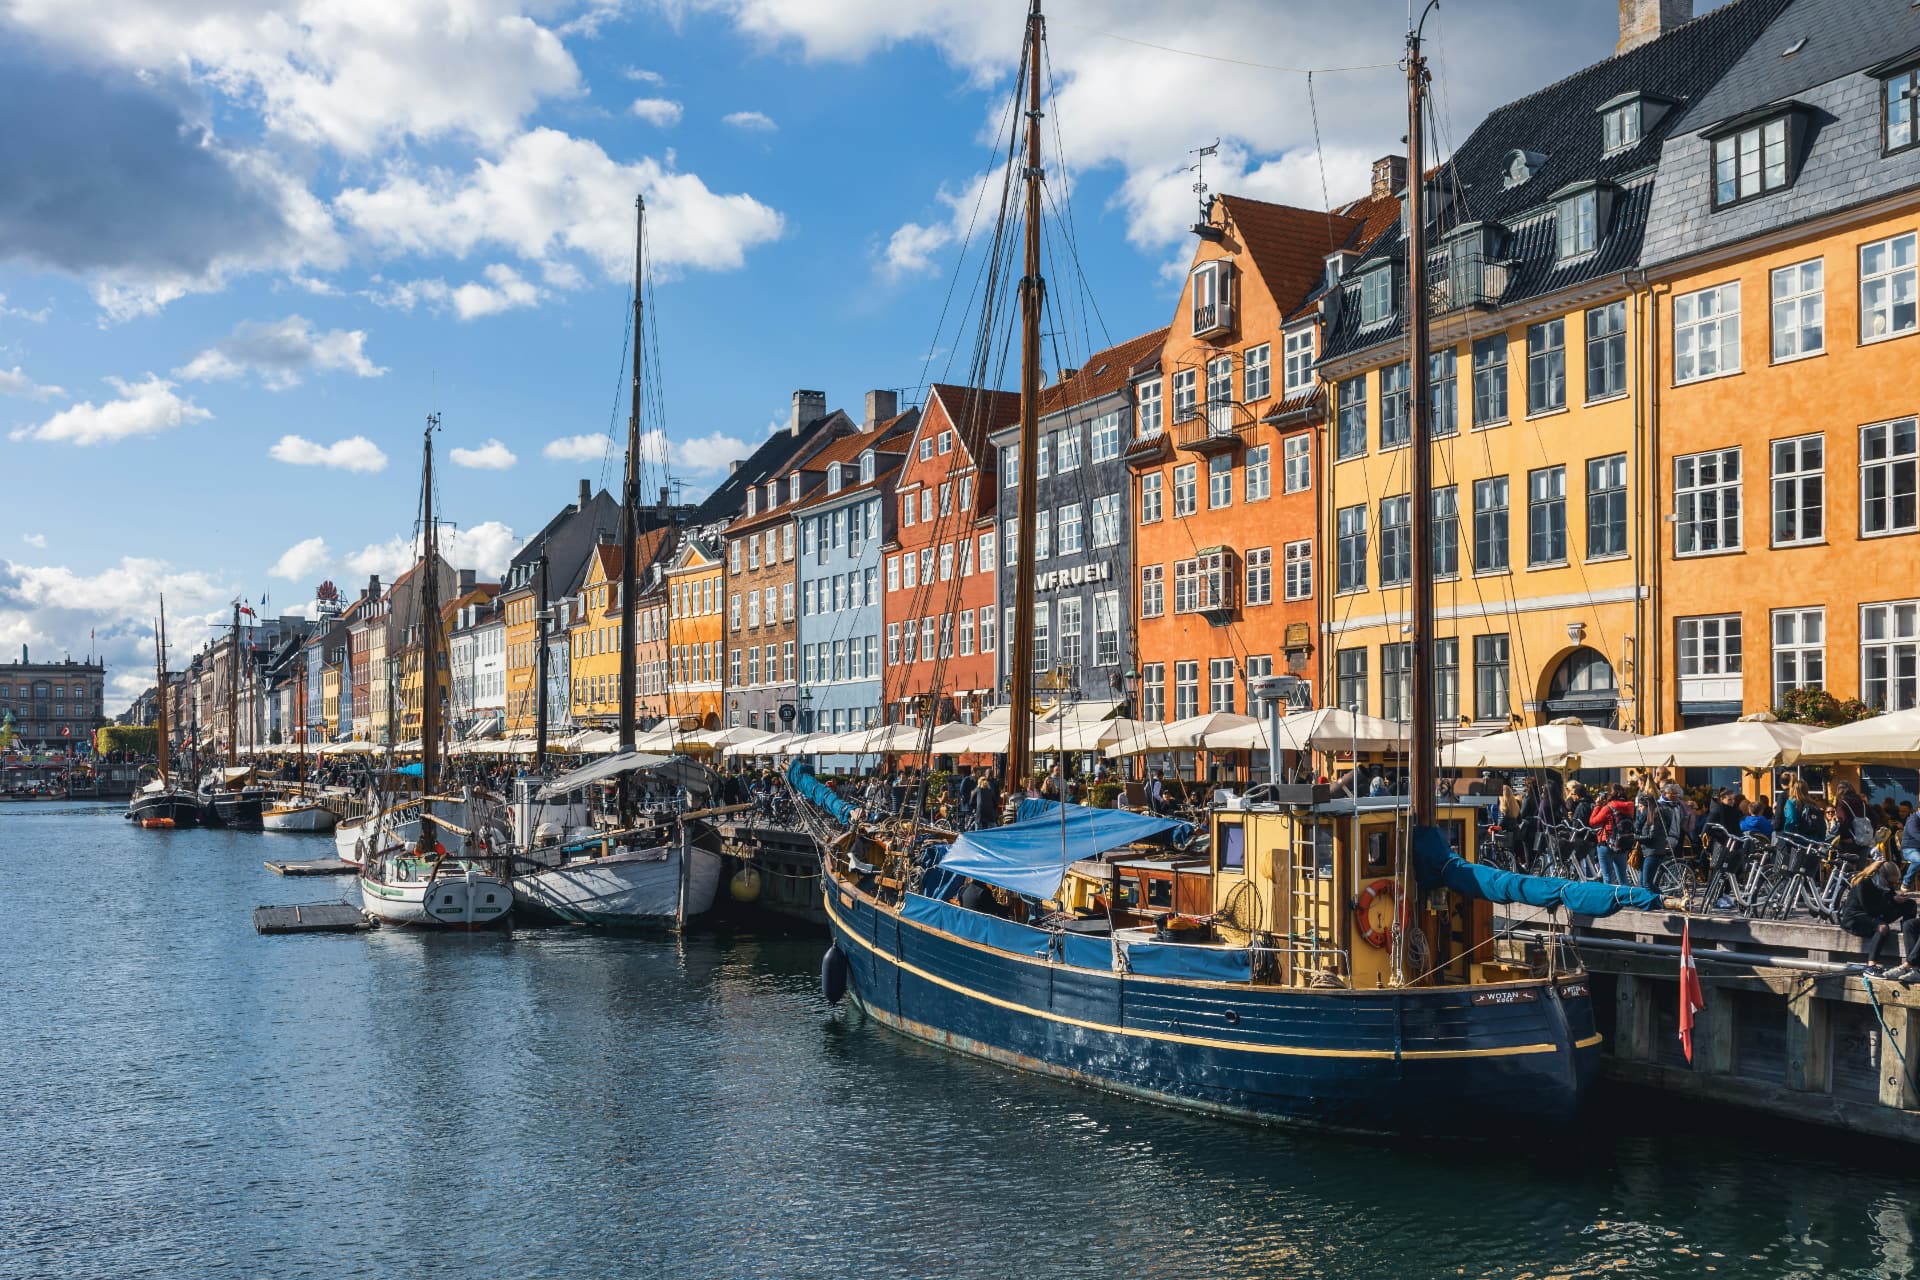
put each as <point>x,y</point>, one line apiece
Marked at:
<point>1873,908</point>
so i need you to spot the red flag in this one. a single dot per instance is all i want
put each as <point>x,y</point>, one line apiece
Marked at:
<point>1690,998</point>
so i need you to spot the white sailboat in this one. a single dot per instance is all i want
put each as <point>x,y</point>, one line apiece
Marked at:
<point>423,882</point>
<point>634,877</point>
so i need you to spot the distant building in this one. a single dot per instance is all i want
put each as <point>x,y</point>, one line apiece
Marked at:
<point>54,705</point>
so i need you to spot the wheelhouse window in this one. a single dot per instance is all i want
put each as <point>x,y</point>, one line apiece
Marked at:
<point>1706,333</point>
<point>1750,162</point>
<point>1706,502</point>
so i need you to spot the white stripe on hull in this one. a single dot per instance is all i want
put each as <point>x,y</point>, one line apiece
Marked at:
<point>452,900</point>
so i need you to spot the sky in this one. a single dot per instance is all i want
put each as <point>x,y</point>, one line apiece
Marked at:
<point>247,246</point>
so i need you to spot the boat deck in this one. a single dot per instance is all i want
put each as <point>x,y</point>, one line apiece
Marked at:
<point>311,867</point>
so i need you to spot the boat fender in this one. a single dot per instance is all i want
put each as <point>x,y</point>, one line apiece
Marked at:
<point>1362,919</point>
<point>833,975</point>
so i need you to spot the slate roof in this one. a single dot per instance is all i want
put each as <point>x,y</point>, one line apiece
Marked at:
<point>896,432</point>
<point>1561,123</point>
<point>1843,36</point>
<point>1104,373</point>
<point>773,457</point>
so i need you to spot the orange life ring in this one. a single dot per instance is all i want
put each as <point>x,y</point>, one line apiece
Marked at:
<point>1362,918</point>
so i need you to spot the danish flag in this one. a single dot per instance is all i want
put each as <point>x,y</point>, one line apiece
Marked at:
<point>1690,997</point>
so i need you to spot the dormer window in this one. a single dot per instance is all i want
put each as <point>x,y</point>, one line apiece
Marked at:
<point>1212,297</point>
<point>1753,156</point>
<point>1900,95</point>
<point>1376,296</point>
<point>866,466</point>
<point>793,487</point>
<point>1620,128</point>
<point>1337,264</point>
<point>1521,166</point>
<point>773,494</point>
<point>753,501</point>
<point>1582,219</point>
<point>833,477</point>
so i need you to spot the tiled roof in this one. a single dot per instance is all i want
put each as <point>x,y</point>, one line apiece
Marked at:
<point>1289,246</point>
<point>1561,127</point>
<point>890,436</point>
<point>974,412</point>
<point>1104,373</point>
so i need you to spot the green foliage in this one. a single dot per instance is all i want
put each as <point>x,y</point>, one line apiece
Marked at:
<point>1817,706</point>
<point>141,739</point>
<point>1105,794</point>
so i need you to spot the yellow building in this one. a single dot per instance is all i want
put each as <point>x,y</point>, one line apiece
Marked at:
<point>520,609</point>
<point>330,700</point>
<point>595,636</point>
<point>696,637</point>
<point>1542,467</point>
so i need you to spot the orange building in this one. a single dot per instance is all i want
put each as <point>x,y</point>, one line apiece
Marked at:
<point>696,637</point>
<point>1222,452</point>
<point>939,601</point>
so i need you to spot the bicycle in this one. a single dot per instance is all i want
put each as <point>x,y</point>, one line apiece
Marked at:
<point>1741,877</point>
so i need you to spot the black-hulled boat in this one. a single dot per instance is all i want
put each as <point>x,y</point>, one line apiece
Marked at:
<point>1323,961</point>
<point>160,804</point>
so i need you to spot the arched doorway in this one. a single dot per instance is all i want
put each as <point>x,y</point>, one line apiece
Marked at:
<point>1583,685</point>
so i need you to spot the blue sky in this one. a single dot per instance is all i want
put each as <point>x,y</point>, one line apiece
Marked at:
<point>247,245</point>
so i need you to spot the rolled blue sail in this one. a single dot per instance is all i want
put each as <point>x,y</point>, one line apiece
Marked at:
<point>817,793</point>
<point>1436,864</point>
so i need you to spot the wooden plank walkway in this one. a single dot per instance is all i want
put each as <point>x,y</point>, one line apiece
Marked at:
<point>314,917</point>
<point>311,867</point>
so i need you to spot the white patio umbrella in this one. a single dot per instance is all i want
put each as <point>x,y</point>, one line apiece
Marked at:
<point>1751,742</point>
<point>1894,735</point>
<point>985,738</point>
<point>1337,729</point>
<point>1190,734</point>
<point>768,744</point>
<point>1561,745</point>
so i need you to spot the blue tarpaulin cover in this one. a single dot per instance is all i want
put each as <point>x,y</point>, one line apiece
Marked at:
<point>992,931</point>
<point>1435,863</point>
<point>1183,960</point>
<point>817,793</point>
<point>414,770</point>
<point>1030,857</point>
<point>1084,951</point>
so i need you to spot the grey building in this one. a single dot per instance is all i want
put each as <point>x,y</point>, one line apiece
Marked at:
<point>1083,544</point>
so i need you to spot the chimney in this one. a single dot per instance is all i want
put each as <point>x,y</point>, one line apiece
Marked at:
<point>1390,172</point>
<point>586,494</point>
<point>1643,21</point>
<point>467,578</point>
<point>733,464</point>
<point>1069,373</point>
<point>881,405</point>
<point>808,406</point>
<point>373,586</point>
<point>663,499</point>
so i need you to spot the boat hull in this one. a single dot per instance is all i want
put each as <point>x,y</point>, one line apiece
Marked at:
<point>1454,1061</point>
<point>633,890</point>
<point>165,810</point>
<point>452,900</point>
<point>308,818</point>
<point>231,809</point>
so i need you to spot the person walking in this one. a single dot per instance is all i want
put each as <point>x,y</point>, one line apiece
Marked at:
<point>1612,821</point>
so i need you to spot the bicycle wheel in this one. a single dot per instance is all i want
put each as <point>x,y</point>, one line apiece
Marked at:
<point>1675,879</point>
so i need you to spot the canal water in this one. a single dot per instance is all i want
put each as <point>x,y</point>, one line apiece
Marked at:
<point>186,1098</point>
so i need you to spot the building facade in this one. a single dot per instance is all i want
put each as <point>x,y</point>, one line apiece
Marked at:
<point>1782,242</point>
<point>54,706</point>
<point>1081,583</point>
<point>941,558</point>
<point>696,636</point>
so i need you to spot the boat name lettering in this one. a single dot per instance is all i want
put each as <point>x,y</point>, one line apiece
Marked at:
<point>1574,989</point>
<point>1503,997</point>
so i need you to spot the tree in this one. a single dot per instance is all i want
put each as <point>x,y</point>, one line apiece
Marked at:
<point>140,739</point>
<point>1817,706</point>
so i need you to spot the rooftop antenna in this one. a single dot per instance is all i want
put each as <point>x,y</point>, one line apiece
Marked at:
<point>1198,170</point>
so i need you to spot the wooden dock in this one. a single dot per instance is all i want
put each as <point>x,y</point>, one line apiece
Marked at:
<point>1790,1026</point>
<point>789,864</point>
<point>311,867</point>
<point>313,917</point>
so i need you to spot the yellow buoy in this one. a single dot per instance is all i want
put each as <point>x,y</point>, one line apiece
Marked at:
<point>745,885</point>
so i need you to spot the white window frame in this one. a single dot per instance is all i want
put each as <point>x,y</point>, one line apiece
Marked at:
<point>1798,294</point>
<point>1901,266</point>
<point>1895,462</point>
<point>1256,373</point>
<point>1799,486</point>
<point>1153,590</point>
<point>1710,646</point>
<point>1298,569</point>
<point>1260,575</point>
<point>1106,520</point>
<point>1149,409</point>
<point>1720,497</point>
<point>1219,481</point>
<point>1186,394</point>
<point>1890,632</point>
<point>1376,296</point>
<point>1296,463</point>
<point>1258,483</point>
<point>1709,315</point>
<point>1297,356</point>
<point>1799,650</point>
<point>1186,489</point>
<point>1150,487</point>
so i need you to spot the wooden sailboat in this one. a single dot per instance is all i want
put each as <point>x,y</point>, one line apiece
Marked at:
<point>1327,962</point>
<point>299,812</point>
<point>162,804</point>
<point>227,798</point>
<point>634,876</point>
<point>421,882</point>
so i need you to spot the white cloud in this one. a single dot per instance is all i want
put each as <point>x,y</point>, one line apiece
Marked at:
<point>664,112</point>
<point>355,453</point>
<point>143,408</point>
<point>751,121</point>
<point>643,76</point>
<point>504,290</point>
<point>491,456</point>
<point>35,540</point>
<point>485,548</point>
<point>302,560</point>
<point>15,382</point>
<point>280,353</point>
<point>702,454</point>
<point>52,608</point>
<point>19,313</point>
<point>914,248</point>
<point>355,75</point>
<point>549,196</point>
<point>576,449</point>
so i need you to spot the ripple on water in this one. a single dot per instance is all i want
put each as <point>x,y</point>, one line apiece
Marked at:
<point>186,1098</point>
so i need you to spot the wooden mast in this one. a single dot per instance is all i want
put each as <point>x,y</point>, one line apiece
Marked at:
<point>429,657</point>
<point>160,675</point>
<point>630,517</point>
<point>1425,731</point>
<point>1033,288</point>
